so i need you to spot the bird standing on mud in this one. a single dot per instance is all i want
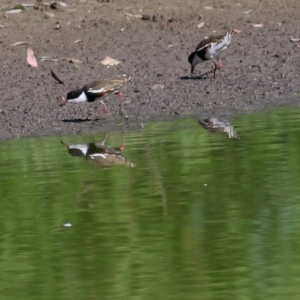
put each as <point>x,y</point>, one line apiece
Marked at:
<point>94,91</point>
<point>210,49</point>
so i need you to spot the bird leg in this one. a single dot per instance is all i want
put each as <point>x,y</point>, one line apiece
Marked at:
<point>121,97</point>
<point>207,73</point>
<point>121,109</point>
<point>105,138</point>
<point>105,110</point>
<point>218,66</point>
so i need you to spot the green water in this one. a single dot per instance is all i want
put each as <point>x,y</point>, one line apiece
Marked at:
<point>201,216</point>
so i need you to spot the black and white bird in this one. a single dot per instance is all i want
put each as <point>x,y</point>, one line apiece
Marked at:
<point>99,153</point>
<point>94,91</point>
<point>210,49</point>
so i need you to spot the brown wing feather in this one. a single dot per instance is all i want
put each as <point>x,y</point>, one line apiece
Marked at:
<point>209,40</point>
<point>106,84</point>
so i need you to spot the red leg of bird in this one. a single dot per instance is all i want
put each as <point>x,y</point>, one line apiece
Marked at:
<point>121,97</point>
<point>207,73</point>
<point>105,137</point>
<point>218,66</point>
<point>121,109</point>
<point>105,110</point>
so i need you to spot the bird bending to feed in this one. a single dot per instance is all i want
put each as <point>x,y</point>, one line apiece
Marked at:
<point>94,91</point>
<point>210,48</point>
<point>99,153</point>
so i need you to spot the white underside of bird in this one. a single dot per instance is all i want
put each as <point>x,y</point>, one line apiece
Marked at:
<point>82,98</point>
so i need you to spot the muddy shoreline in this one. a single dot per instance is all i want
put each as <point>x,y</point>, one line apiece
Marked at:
<point>261,66</point>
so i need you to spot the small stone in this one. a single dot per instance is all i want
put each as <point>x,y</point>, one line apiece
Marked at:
<point>57,26</point>
<point>146,17</point>
<point>53,5</point>
<point>157,87</point>
<point>157,18</point>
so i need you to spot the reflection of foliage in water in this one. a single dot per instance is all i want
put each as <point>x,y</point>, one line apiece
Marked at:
<point>201,214</point>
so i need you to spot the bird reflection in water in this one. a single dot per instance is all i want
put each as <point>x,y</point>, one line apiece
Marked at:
<point>99,153</point>
<point>215,125</point>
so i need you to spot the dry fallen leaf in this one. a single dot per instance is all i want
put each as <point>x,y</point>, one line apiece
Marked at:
<point>19,43</point>
<point>44,58</point>
<point>135,16</point>
<point>49,14</point>
<point>31,58</point>
<point>74,60</point>
<point>200,25</point>
<point>47,58</point>
<point>236,30</point>
<point>157,86</point>
<point>14,11</point>
<point>56,77</point>
<point>107,61</point>
<point>57,26</point>
<point>63,4</point>
<point>77,41</point>
<point>294,39</point>
<point>257,25</point>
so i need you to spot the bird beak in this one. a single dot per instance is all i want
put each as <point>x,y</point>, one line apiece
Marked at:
<point>63,101</point>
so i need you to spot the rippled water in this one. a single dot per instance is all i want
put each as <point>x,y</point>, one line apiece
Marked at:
<point>200,216</point>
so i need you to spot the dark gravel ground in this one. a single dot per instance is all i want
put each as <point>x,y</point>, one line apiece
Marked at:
<point>261,66</point>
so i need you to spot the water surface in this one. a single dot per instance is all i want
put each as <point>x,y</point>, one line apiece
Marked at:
<point>200,216</point>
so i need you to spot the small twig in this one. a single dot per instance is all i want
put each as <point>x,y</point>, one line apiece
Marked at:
<point>56,78</point>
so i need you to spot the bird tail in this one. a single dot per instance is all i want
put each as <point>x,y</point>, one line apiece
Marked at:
<point>126,78</point>
<point>224,43</point>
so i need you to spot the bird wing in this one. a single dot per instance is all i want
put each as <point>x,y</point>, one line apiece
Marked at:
<point>204,44</point>
<point>221,45</point>
<point>217,43</point>
<point>96,91</point>
<point>207,45</point>
<point>104,86</point>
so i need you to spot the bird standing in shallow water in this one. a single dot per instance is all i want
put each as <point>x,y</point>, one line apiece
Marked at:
<point>210,49</point>
<point>94,91</point>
